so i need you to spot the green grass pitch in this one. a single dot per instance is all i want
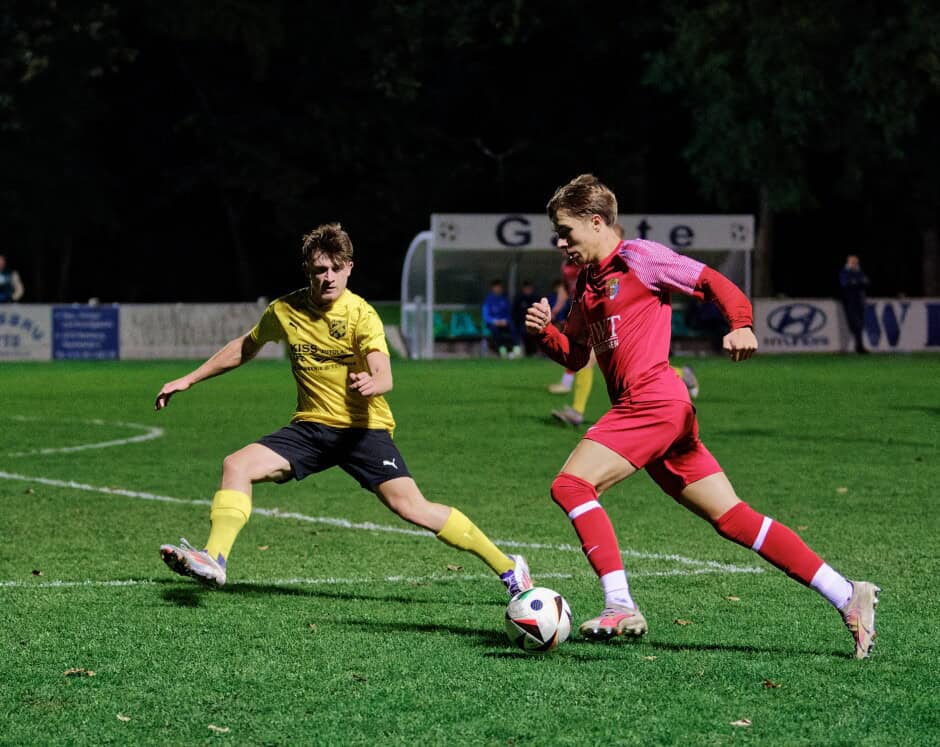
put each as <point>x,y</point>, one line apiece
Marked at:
<point>337,627</point>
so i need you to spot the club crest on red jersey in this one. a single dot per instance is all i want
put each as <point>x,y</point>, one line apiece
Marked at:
<point>613,287</point>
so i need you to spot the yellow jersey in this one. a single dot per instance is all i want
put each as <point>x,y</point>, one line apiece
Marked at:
<point>325,345</point>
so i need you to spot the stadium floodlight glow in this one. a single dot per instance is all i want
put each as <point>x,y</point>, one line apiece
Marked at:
<point>449,267</point>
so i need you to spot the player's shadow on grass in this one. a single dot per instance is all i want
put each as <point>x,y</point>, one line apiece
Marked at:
<point>250,589</point>
<point>741,649</point>
<point>926,409</point>
<point>487,637</point>
<point>549,419</point>
<point>583,650</point>
<point>184,596</point>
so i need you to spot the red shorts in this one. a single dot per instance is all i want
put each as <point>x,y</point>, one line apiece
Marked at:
<point>661,437</point>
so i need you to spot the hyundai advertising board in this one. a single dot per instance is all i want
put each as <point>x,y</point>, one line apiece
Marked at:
<point>810,325</point>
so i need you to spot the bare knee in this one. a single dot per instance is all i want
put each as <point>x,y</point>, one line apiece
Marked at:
<point>235,466</point>
<point>251,464</point>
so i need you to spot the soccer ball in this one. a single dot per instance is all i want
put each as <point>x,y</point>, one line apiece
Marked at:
<point>538,620</point>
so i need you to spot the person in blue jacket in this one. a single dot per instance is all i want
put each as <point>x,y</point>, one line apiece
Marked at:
<point>497,316</point>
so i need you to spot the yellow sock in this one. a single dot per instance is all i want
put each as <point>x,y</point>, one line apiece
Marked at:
<point>583,381</point>
<point>677,371</point>
<point>230,512</point>
<point>463,534</point>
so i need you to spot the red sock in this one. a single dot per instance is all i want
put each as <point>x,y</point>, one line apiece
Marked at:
<point>578,498</point>
<point>774,542</point>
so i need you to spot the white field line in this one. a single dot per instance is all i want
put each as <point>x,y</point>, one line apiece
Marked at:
<point>149,434</point>
<point>329,581</point>
<point>702,566</point>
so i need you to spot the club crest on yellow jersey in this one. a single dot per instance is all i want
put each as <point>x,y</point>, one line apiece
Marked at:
<point>337,328</point>
<point>613,287</point>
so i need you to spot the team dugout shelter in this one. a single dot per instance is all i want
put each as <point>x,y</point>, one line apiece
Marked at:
<point>448,269</point>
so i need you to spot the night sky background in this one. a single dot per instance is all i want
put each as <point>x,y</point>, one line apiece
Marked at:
<point>177,151</point>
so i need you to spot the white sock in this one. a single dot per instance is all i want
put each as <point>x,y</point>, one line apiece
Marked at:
<point>616,589</point>
<point>567,380</point>
<point>835,587</point>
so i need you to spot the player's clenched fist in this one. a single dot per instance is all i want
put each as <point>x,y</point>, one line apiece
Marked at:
<point>538,315</point>
<point>740,343</point>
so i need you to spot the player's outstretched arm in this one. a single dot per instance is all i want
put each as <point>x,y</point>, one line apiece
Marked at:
<point>240,350</point>
<point>377,380</point>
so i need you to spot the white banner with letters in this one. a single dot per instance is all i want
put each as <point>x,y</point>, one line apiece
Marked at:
<point>25,332</point>
<point>524,231</point>
<point>806,325</point>
<point>193,330</point>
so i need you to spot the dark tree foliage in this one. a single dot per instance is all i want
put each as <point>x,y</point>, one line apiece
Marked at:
<point>826,110</point>
<point>178,150</point>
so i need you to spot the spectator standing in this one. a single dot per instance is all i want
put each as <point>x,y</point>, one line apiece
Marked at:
<point>11,287</point>
<point>854,284</point>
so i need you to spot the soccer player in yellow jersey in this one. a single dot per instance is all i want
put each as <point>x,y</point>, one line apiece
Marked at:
<point>340,362</point>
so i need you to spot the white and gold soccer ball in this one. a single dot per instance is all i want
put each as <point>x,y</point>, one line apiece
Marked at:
<point>538,620</point>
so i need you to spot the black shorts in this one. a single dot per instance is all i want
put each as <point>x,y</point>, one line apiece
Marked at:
<point>368,455</point>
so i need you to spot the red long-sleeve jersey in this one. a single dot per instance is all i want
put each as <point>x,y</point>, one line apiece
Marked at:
<point>621,308</point>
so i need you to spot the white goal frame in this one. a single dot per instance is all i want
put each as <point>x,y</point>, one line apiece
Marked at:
<point>518,233</point>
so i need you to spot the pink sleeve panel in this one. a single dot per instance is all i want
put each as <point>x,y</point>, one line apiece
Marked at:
<point>659,268</point>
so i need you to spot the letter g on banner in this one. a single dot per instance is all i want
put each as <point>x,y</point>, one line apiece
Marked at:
<point>514,230</point>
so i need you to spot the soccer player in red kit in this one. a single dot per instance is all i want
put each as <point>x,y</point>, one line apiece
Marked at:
<point>621,310</point>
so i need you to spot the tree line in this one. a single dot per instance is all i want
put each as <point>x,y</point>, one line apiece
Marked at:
<point>177,151</point>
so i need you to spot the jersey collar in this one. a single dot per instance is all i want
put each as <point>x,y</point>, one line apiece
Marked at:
<point>615,258</point>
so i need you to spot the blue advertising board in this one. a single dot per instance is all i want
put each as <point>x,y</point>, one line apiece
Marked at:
<point>85,333</point>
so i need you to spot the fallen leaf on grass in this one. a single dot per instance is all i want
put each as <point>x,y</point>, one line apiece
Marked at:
<point>78,672</point>
<point>741,722</point>
<point>264,547</point>
<point>219,729</point>
<point>802,527</point>
<point>37,572</point>
<point>122,717</point>
<point>359,677</point>
<point>312,626</point>
<point>733,599</point>
<point>650,658</point>
<point>680,621</point>
<point>452,567</point>
<point>770,684</point>
<point>29,491</point>
<point>842,491</point>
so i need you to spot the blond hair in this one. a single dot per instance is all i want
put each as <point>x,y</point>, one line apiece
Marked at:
<point>584,196</point>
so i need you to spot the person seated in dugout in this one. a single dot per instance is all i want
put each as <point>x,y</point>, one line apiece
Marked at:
<point>497,318</point>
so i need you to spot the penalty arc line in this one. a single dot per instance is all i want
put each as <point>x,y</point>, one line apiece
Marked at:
<point>149,434</point>
<point>702,565</point>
